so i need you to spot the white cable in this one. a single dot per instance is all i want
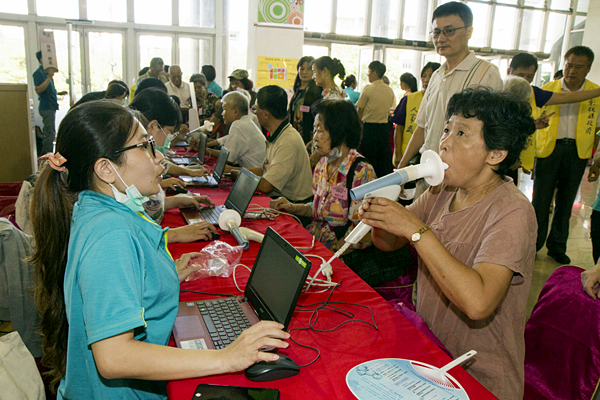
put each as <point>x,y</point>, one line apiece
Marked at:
<point>233,274</point>
<point>320,282</point>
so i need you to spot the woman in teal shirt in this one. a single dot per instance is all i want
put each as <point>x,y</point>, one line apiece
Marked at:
<point>109,289</point>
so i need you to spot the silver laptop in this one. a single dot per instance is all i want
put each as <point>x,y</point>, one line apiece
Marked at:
<point>216,175</point>
<point>194,160</point>
<point>272,292</point>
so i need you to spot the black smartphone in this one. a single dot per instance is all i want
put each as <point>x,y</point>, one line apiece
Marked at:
<point>205,392</point>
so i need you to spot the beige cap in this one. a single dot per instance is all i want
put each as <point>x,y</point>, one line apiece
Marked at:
<point>239,74</point>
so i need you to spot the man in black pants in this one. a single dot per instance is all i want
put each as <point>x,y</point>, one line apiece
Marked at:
<point>374,106</point>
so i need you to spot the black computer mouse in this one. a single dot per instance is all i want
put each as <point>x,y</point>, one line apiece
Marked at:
<point>177,190</point>
<point>264,371</point>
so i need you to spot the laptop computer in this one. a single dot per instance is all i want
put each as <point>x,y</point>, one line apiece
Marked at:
<point>216,175</point>
<point>201,156</point>
<point>238,199</point>
<point>272,292</point>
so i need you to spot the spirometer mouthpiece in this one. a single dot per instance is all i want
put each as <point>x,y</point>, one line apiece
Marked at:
<point>230,220</point>
<point>431,168</point>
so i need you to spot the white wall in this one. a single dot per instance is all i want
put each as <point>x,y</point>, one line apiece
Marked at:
<point>591,38</point>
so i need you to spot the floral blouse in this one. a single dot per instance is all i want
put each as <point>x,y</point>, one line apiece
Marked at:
<point>331,199</point>
<point>334,93</point>
<point>206,108</point>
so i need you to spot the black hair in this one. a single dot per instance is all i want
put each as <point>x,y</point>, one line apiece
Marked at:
<point>462,10</point>
<point>143,71</point>
<point>116,89</point>
<point>341,120</point>
<point>507,121</point>
<point>156,61</point>
<point>88,132</point>
<point>147,83</point>
<point>523,60</point>
<point>581,51</point>
<point>273,99</point>
<point>348,81</point>
<point>305,59</point>
<point>38,55</point>
<point>333,65</point>
<point>378,67</point>
<point>166,68</point>
<point>558,74</point>
<point>410,80</point>
<point>199,78</point>
<point>155,104</point>
<point>433,65</point>
<point>209,72</point>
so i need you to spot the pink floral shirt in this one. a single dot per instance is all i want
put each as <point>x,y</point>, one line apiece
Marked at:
<point>331,202</point>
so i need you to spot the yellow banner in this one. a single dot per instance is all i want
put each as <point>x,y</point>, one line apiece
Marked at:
<point>276,71</point>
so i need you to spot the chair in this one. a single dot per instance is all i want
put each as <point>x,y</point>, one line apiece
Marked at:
<point>562,340</point>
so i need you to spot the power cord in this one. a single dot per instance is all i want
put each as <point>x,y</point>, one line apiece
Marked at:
<point>328,305</point>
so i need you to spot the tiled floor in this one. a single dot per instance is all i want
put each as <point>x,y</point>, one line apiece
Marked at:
<point>579,246</point>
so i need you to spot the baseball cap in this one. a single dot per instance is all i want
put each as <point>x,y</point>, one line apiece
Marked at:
<point>239,74</point>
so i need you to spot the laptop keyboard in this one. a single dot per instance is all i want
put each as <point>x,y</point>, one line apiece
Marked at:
<point>224,319</point>
<point>211,214</point>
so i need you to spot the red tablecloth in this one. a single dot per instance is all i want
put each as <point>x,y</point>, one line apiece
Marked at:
<point>342,349</point>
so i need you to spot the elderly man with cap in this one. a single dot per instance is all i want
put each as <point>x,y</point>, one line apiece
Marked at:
<point>239,79</point>
<point>176,87</point>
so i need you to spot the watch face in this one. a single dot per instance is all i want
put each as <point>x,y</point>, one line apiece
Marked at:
<point>415,236</point>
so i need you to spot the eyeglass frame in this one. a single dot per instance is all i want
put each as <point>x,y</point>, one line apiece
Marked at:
<point>150,142</point>
<point>447,32</point>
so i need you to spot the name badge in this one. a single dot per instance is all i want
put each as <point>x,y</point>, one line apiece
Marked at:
<point>200,112</point>
<point>304,109</point>
<point>339,192</point>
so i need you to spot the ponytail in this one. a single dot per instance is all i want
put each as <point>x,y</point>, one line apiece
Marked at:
<point>338,69</point>
<point>333,65</point>
<point>51,208</point>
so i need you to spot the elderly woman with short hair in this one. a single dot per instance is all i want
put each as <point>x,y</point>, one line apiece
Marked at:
<point>204,99</point>
<point>475,235</point>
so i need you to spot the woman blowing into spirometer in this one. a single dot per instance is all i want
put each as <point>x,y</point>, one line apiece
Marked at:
<point>475,235</point>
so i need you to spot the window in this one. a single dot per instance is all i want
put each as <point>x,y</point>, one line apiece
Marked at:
<point>238,36</point>
<point>351,17</point>
<point>107,10</point>
<point>348,55</point>
<point>155,46</point>
<point>58,8</point>
<point>62,76</point>
<point>15,7</point>
<point>414,13</point>
<point>156,12</point>
<point>12,47</point>
<point>556,29</point>
<point>531,30</point>
<point>480,24</point>
<point>317,15</point>
<point>106,58</point>
<point>193,54</point>
<point>535,3</point>
<point>562,5</point>
<point>515,2</point>
<point>582,6</point>
<point>505,27</point>
<point>398,62</point>
<point>200,13</point>
<point>384,18</point>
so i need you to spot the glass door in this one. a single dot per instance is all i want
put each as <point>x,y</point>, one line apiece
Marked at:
<point>104,58</point>
<point>193,53</point>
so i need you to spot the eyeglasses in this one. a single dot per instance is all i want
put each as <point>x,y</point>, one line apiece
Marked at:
<point>447,32</point>
<point>149,142</point>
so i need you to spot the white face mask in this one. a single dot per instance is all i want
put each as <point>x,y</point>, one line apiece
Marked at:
<point>132,198</point>
<point>334,154</point>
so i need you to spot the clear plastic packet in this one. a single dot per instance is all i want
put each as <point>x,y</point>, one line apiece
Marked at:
<point>216,259</point>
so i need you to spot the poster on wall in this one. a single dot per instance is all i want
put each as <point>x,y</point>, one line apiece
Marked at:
<point>288,13</point>
<point>278,71</point>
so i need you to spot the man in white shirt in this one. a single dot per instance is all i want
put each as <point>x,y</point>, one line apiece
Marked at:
<point>452,25</point>
<point>176,87</point>
<point>245,142</point>
<point>562,152</point>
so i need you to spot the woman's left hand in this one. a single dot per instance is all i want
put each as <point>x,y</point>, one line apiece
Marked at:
<point>186,201</point>
<point>182,265</point>
<point>198,172</point>
<point>390,216</point>
<point>192,233</point>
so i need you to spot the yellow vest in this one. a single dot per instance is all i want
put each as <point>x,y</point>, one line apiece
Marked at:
<point>545,139</point>
<point>528,155</point>
<point>413,102</point>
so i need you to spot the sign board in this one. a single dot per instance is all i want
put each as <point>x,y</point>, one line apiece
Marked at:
<point>280,71</point>
<point>48,48</point>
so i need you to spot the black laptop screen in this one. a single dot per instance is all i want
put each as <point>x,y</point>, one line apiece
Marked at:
<point>277,279</point>
<point>202,148</point>
<point>242,191</point>
<point>220,165</point>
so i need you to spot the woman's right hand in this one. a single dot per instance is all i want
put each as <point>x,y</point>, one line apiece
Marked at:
<point>245,350</point>
<point>171,183</point>
<point>283,204</point>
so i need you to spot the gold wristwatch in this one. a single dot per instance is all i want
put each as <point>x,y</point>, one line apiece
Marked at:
<point>418,234</point>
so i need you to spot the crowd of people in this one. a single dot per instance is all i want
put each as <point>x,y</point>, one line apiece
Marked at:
<point>476,234</point>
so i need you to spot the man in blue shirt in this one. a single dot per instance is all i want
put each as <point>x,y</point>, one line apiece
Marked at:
<point>48,103</point>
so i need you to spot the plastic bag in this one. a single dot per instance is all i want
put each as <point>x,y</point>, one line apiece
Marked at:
<point>216,259</point>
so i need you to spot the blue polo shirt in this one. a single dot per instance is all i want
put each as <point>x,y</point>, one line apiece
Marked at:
<point>215,88</point>
<point>119,277</point>
<point>47,98</point>
<point>353,95</point>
